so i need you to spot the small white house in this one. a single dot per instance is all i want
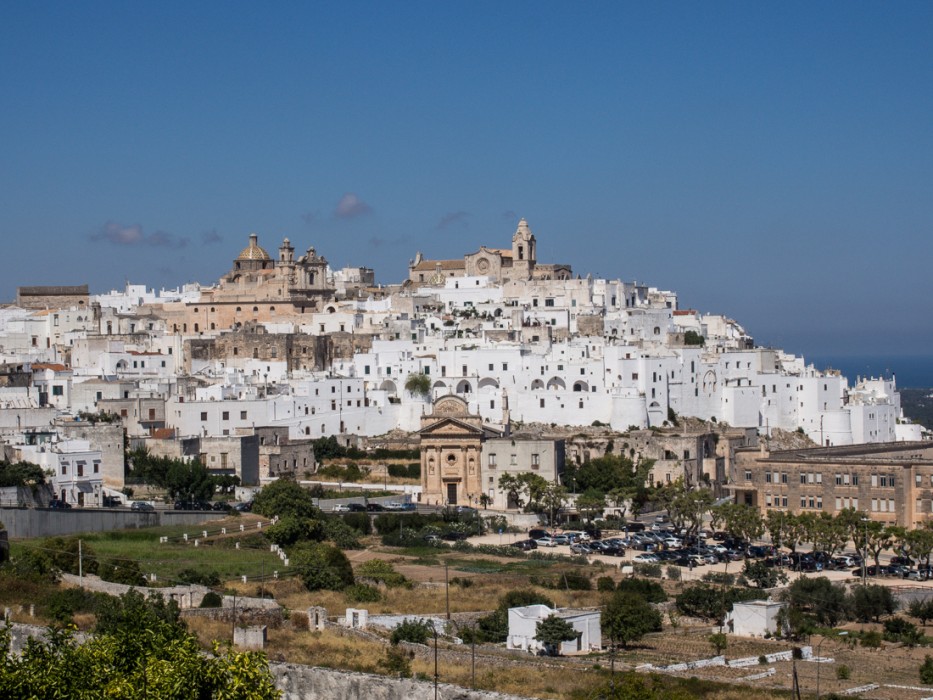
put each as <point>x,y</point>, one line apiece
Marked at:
<point>523,624</point>
<point>755,618</point>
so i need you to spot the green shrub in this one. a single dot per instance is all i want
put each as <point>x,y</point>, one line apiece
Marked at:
<point>605,583</point>
<point>843,673</point>
<point>125,571</point>
<point>212,600</point>
<point>719,578</point>
<point>359,522</point>
<point>199,578</point>
<point>674,573</point>
<point>341,534</point>
<point>381,571</point>
<point>649,570</point>
<point>412,630</point>
<point>397,662</point>
<point>461,582</point>
<point>363,593</point>
<point>567,580</point>
<point>652,591</point>
<point>926,670</point>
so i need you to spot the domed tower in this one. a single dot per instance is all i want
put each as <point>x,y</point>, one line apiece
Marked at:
<point>252,257</point>
<point>524,251</point>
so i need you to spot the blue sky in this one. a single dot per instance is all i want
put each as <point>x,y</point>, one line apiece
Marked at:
<point>769,161</point>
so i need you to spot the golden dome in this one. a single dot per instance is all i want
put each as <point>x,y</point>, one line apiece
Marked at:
<point>253,251</point>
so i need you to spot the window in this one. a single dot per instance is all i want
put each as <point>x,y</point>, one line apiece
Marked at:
<point>64,469</point>
<point>513,459</point>
<point>505,366</point>
<point>838,479</point>
<point>58,390</point>
<point>96,467</point>
<point>492,460</point>
<point>541,403</point>
<point>549,302</point>
<point>854,479</point>
<point>242,415</point>
<point>225,415</point>
<point>748,475</point>
<point>535,461</point>
<point>80,468</point>
<point>767,477</point>
<point>203,416</point>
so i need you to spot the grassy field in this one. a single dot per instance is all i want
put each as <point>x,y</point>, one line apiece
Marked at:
<point>166,560</point>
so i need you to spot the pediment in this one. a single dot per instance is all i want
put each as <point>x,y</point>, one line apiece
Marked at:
<point>451,426</point>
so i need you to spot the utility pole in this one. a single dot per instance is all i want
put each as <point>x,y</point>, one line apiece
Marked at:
<point>447,587</point>
<point>80,562</point>
<point>435,661</point>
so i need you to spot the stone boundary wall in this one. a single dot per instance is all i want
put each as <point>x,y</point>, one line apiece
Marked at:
<point>187,596</point>
<point>44,522</point>
<point>310,683</point>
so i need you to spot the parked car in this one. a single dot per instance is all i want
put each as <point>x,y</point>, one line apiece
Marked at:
<point>374,508</point>
<point>245,507</point>
<point>561,539</point>
<point>408,507</point>
<point>220,506</point>
<point>546,542</point>
<point>525,545</point>
<point>634,527</point>
<point>645,558</point>
<point>394,505</point>
<point>58,504</point>
<point>580,548</point>
<point>538,533</point>
<point>142,506</point>
<point>341,508</point>
<point>356,507</point>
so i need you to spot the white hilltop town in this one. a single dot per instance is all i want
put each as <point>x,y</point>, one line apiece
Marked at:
<point>283,350</point>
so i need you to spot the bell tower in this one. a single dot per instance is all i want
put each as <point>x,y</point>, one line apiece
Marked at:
<point>524,251</point>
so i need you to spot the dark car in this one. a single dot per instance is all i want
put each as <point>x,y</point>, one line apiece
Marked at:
<point>356,507</point>
<point>243,507</point>
<point>871,571</point>
<point>525,545</point>
<point>220,506</point>
<point>58,504</point>
<point>455,536</point>
<point>538,533</point>
<point>634,527</point>
<point>758,551</point>
<point>374,508</point>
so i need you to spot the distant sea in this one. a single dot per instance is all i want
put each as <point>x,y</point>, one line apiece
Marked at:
<point>910,371</point>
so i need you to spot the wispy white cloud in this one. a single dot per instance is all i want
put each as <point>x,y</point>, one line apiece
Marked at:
<point>452,217</point>
<point>211,237</point>
<point>118,234</point>
<point>351,206</point>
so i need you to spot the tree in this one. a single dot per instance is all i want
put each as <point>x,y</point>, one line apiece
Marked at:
<point>140,649</point>
<point>926,670</point>
<point>418,385</point>
<point>718,641</point>
<point>510,485</point>
<point>871,602</point>
<point>738,520</point>
<point>818,599</point>
<point>189,480</point>
<point>762,575</point>
<point>321,566</point>
<point>154,665</point>
<point>687,507</point>
<point>291,529</point>
<point>285,497</point>
<point>552,631</point>
<point>628,617</point>
<point>879,538</point>
<point>25,474</point>
<point>694,338</point>
<point>829,534</point>
<point>590,503</point>
<point>918,544</point>
<point>922,610</point>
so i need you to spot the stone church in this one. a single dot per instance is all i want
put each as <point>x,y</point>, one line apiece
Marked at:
<point>518,263</point>
<point>451,453</point>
